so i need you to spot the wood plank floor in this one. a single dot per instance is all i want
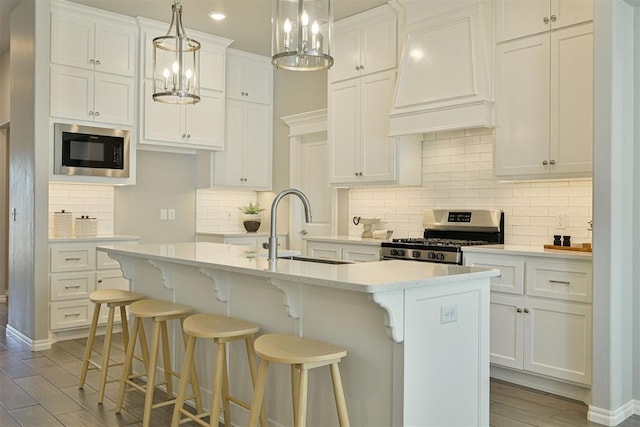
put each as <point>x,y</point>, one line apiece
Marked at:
<point>41,389</point>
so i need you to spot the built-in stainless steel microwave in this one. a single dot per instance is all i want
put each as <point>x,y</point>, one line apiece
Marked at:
<point>92,151</point>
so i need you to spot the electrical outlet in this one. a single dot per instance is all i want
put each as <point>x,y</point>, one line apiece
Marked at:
<point>449,313</point>
<point>171,214</point>
<point>163,214</point>
<point>561,221</point>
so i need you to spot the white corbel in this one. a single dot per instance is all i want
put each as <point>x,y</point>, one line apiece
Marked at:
<point>393,305</point>
<point>291,292</point>
<point>126,264</point>
<point>167,272</point>
<point>220,281</point>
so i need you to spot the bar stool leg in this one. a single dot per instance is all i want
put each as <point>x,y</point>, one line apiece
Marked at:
<point>182,386</point>
<point>106,351</point>
<point>195,385</point>
<point>341,404</point>
<point>128,358</point>
<point>301,418</point>
<point>151,375</point>
<point>166,359</point>
<point>258,394</point>
<point>295,390</point>
<point>226,407</point>
<point>217,385</point>
<point>89,347</point>
<point>125,328</point>
<point>252,368</point>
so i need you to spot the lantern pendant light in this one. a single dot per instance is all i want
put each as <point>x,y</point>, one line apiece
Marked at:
<point>176,64</point>
<point>302,34</point>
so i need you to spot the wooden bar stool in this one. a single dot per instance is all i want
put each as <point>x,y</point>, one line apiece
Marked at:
<point>113,298</point>
<point>159,312</point>
<point>222,330</point>
<point>302,354</point>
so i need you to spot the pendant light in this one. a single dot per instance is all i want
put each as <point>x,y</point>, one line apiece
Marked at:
<point>302,33</point>
<point>176,63</point>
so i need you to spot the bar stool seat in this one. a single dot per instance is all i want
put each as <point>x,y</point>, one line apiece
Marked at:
<point>302,354</point>
<point>112,298</point>
<point>159,312</point>
<point>222,330</point>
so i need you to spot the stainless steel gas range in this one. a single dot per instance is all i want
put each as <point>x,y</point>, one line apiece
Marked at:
<point>446,231</point>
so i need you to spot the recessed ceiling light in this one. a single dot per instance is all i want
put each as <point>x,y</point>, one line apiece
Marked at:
<point>217,16</point>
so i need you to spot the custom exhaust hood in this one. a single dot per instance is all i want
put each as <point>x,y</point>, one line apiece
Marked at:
<point>445,77</point>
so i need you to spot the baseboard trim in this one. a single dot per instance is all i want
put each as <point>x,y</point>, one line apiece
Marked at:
<point>581,393</point>
<point>615,417</point>
<point>37,345</point>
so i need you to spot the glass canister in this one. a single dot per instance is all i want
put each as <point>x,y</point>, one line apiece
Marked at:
<point>86,227</point>
<point>62,224</point>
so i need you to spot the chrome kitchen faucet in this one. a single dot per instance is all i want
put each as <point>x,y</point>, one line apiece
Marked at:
<point>272,243</point>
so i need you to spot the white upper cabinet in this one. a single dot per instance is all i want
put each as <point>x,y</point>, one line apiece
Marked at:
<point>360,150</point>
<point>364,44</point>
<point>516,19</point>
<point>249,78</point>
<point>544,105</point>
<point>94,43</point>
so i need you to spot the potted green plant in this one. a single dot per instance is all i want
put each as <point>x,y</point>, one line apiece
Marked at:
<point>251,218</point>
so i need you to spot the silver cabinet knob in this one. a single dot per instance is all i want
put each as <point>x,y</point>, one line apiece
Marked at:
<point>545,20</point>
<point>91,113</point>
<point>545,163</point>
<point>96,114</point>
<point>91,61</point>
<point>304,232</point>
<point>526,310</point>
<point>553,18</point>
<point>552,162</point>
<point>518,310</point>
<point>98,62</point>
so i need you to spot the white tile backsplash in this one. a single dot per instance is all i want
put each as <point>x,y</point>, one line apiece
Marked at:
<point>96,201</point>
<point>458,172</point>
<point>217,210</point>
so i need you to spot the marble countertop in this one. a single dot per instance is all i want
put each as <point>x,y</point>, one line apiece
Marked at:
<point>528,250</point>
<point>98,238</point>
<point>369,277</point>
<point>347,239</point>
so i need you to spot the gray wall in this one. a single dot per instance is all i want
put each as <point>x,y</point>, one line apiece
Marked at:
<point>164,180</point>
<point>4,209</point>
<point>4,87</point>
<point>28,164</point>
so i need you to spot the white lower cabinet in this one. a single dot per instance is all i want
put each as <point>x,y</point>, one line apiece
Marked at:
<point>347,252</point>
<point>546,327</point>
<point>76,270</point>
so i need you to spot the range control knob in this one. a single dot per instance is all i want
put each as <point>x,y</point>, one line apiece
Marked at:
<point>416,254</point>
<point>431,255</point>
<point>440,256</point>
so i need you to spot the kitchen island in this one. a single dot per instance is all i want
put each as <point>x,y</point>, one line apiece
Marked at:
<point>417,334</point>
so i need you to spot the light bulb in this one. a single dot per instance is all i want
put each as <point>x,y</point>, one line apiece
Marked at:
<point>315,28</point>
<point>166,73</point>
<point>189,73</point>
<point>176,67</point>
<point>287,26</point>
<point>305,18</point>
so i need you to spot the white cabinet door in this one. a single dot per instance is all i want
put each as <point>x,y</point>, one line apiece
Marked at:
<point>346,53</point>
<point>507,329</point>
<point>113,99</point>
<point>228,164</point>
<point>203,121</point>
<point>522,18</point>
<point>511,278</point>
<point>115,48</point>
<point>72,40</point>
<point>571,127</point>
<point>324,250</point>
<point>360,253</point>
<point>522,106</point>
<point>344,130</point>
<point>71,92</point>
<point>379,46</point>
<point>161,121</point>
<point>257,147</point>
<point>249,77</point>
<point>211,66</point>
<point>558,340</point>
<point>377,151</point>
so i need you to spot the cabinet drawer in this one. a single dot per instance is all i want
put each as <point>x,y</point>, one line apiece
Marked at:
<point>570,281</point>
<point>68,286</point>
<point>511,279</point>
<point>65,315</point>
<point>72,258</point>
<point>324,250</point>
<point>360,253</point>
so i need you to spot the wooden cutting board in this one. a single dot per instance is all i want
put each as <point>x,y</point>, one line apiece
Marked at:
<point>570,248</point>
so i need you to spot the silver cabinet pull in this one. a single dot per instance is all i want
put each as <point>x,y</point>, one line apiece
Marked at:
<point>560,282</point>
<point>100,281</point>
<point>98,62</point>
<point>91,61</point>
<point>518,310</point>
<point>552,162</point>
<point>526,310</point>
<point>545,163</point>
<point>72,315</point>
<point>545,20</point>
<point>91,113</point>
<point>303,232</point>
<point>554,18</point>
<point>72,259</point>
<point>71,286</point>
<point>97,113</point>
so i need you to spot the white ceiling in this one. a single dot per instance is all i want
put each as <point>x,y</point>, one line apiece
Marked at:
<point>248,22</point>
